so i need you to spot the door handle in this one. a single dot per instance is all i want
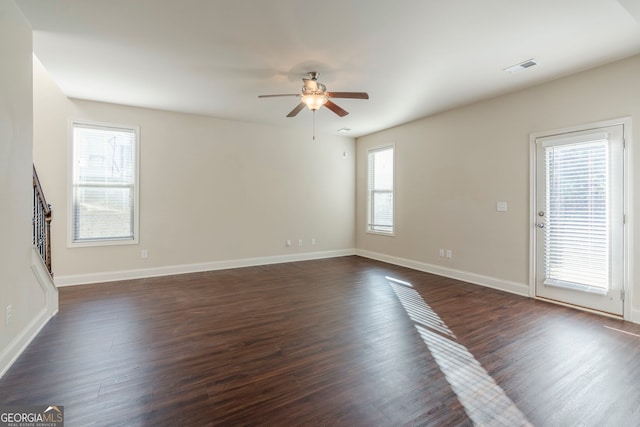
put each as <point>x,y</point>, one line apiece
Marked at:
<point>540,225</point>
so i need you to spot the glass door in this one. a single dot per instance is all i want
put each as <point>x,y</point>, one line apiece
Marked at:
<point>580,219</point>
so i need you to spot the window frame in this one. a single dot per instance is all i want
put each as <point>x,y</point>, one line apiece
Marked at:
<point>370,192</point>
<point>134,240</point>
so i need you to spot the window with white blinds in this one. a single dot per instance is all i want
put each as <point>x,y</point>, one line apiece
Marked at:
<point>380,191</point>
<point>576,252</point>
<point>104,184</point>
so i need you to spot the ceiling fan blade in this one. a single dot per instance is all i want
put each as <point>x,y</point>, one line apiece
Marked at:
<point>356,95</point>
<point>281,94</point>
<point>333,107</point>
<point>296,110</point>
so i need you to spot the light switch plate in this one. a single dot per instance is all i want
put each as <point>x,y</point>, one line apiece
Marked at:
<point>501,206</point>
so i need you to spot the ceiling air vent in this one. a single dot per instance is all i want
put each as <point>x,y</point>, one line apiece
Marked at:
<point>521,66</point>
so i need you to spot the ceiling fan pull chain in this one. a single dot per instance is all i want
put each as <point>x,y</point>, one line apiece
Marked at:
<point>314,125</point>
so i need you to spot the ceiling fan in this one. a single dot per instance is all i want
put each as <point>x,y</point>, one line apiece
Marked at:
<point>314,95</point>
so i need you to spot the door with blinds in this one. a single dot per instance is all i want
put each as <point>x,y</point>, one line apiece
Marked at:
<point>579,210</point>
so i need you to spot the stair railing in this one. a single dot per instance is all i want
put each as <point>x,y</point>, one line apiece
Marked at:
<point>41,222</point>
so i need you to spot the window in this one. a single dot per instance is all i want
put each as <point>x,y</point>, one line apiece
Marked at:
<point>380,191</point>
<point>104,201</point>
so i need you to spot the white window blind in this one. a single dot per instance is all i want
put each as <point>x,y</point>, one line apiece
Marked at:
<point>380,190</point>
<point>104,183</point>
<point>578,226</point>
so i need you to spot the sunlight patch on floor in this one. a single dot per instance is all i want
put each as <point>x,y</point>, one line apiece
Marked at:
<point>483,400</point>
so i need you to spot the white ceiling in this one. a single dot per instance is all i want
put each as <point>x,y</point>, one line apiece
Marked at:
<point>414,57</point>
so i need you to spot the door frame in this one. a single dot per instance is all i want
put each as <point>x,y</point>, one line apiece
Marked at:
<point>628,208</point>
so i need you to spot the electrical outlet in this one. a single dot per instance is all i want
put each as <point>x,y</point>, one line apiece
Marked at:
<point>442,252</point>
<point>8,315</point>
<point>300,242</point>
<point>288,243</point>
<point>313,241</point>
<point>144,254</point>
<point>449,254</point>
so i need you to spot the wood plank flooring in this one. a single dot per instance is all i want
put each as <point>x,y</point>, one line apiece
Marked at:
<point>326,342</point>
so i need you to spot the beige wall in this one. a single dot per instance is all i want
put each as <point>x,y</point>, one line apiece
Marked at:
<point>211,191</point>
<point>19,284</point>
<point>453,167</point>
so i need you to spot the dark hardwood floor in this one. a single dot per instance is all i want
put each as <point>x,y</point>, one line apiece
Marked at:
<point>343,341</point>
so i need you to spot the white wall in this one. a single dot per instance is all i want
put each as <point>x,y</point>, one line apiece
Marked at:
<point>453,167</point>
<point>20,285</point>
<point>214,193</point>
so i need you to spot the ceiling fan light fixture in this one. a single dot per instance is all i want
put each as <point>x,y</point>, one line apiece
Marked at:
<point>314,101</point>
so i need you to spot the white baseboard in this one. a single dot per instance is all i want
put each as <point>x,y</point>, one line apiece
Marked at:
<point>635,315</point>
<point>15,348</point>
<point>477,279</point>
<point>111,276</point>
